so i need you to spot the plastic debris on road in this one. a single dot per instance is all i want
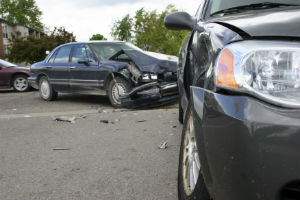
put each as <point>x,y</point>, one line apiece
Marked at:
<point>65,119</point>
<point>163,145</point>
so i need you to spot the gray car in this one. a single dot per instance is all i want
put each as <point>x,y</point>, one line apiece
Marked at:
<point>239,87</point>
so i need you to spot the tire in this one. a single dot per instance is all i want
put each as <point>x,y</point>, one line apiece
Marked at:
<point>20,83</point>
<point>180,114</point>
<point>117,86</point>
<point>188,190</point>
<point>46,91</point>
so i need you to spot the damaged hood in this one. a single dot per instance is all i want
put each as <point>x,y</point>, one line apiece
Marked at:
<point>152,62</point>
<point>280,23</point>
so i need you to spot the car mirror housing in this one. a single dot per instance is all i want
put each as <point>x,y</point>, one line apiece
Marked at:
<point>84,61</point>
<point>180,21</point>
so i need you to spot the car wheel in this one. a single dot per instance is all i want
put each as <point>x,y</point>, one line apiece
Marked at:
<point>20,83</point>
<point>190,179</point>
<point>117,87</point>
<point>46,91</point>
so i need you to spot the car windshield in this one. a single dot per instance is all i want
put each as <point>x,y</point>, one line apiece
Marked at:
<point>105,51</point>
<point>217,6</point>
<point>6,64</point>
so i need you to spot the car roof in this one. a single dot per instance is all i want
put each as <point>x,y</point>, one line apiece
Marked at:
<point>96,42</point>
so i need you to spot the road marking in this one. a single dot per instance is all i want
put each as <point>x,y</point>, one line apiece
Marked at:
<point>48,114</point>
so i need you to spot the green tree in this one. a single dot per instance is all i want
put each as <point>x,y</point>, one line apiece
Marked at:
<point>122,29</point>
<point>148,32</point>
<point>98,37</point>
<point>24,12</point>
<point>31,49</point>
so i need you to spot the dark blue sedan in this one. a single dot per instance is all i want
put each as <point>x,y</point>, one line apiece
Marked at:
<point>128,75</point>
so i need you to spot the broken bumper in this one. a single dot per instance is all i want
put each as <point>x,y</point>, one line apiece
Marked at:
<point>150,95</point>
<point>33,83</point>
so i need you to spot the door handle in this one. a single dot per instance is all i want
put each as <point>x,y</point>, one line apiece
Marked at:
<point>48,67</point>
<point>72,67</point>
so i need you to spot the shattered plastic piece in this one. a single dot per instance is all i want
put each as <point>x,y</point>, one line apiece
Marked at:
<point>82,117</point>
<point>174,126</point>
<point>163,145</point>
<point>65,119</point>
<point>104,121</point>
<point>140,121</point>
<point>27,116</point>
<point>94,107</point>
<point>102,111</point>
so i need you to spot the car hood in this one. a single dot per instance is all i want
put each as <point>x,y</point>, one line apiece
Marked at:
<point>272,22</point>
<point>152,62</point>
<point>21,68</point>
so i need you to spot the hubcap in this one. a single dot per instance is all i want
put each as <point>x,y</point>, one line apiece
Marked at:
<point>21,84</point>
<point>117,90</point>
<point>45,89</point>
<point>191,163</point>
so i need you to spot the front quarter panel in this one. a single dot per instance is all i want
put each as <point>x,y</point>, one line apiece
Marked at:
<point>248,149</point>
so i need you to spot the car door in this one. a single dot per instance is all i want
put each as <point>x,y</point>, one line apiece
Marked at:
<point>58,69</point>
<point>4,77</point>
<point>84,70</point>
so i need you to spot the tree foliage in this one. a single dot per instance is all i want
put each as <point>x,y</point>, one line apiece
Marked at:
<point>146,30</point>
<point>123,29</point>
<point>23,12</point>
<point>98,37</point>
<point>31,49</point>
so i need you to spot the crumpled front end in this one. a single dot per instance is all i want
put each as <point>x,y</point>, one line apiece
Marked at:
<point>153,77</point>
<point>150,95</point>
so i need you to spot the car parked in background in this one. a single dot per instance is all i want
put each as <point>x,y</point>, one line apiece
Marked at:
<point>127,74</point>
<point>239,88</point>
<point>12,76</point>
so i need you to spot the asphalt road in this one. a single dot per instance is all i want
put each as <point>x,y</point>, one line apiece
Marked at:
<point>44,159</point>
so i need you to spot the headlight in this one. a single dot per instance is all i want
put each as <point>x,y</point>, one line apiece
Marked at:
<point>148,77</point>
<point>267,69</point>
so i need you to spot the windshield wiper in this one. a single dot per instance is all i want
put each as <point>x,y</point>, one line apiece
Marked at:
<point>255,6</point>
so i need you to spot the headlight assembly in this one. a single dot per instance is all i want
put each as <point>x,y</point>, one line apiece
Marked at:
<point>269,70</point>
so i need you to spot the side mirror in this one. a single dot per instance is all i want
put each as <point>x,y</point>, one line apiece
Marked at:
<point>47,52</point>
<point>180,21</point>
<point>84,61</point>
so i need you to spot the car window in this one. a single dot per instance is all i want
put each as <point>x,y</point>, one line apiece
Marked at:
<point>51,60</point>
<point>218,5</point>
<point>106,51</point>
<point>62,56</point>
<point>199,13</point>
<point>81,52</point>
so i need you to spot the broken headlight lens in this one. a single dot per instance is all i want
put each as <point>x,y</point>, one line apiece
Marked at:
<point>148,77</point>
<point>269,70</point>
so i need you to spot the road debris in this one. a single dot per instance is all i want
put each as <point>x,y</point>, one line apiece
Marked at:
<point>163,145</point>
<point>61,149</point>
<point>102,111</point>
<point>104,121</point>
<point>65,119</point>
<point>140,121</point>
<point>94,107</point>
<point>82,117</point>
<point>27,116</point>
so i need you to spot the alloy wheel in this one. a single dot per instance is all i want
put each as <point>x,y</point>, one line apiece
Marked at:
<point>191,162</point>
<point>21,84</point>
